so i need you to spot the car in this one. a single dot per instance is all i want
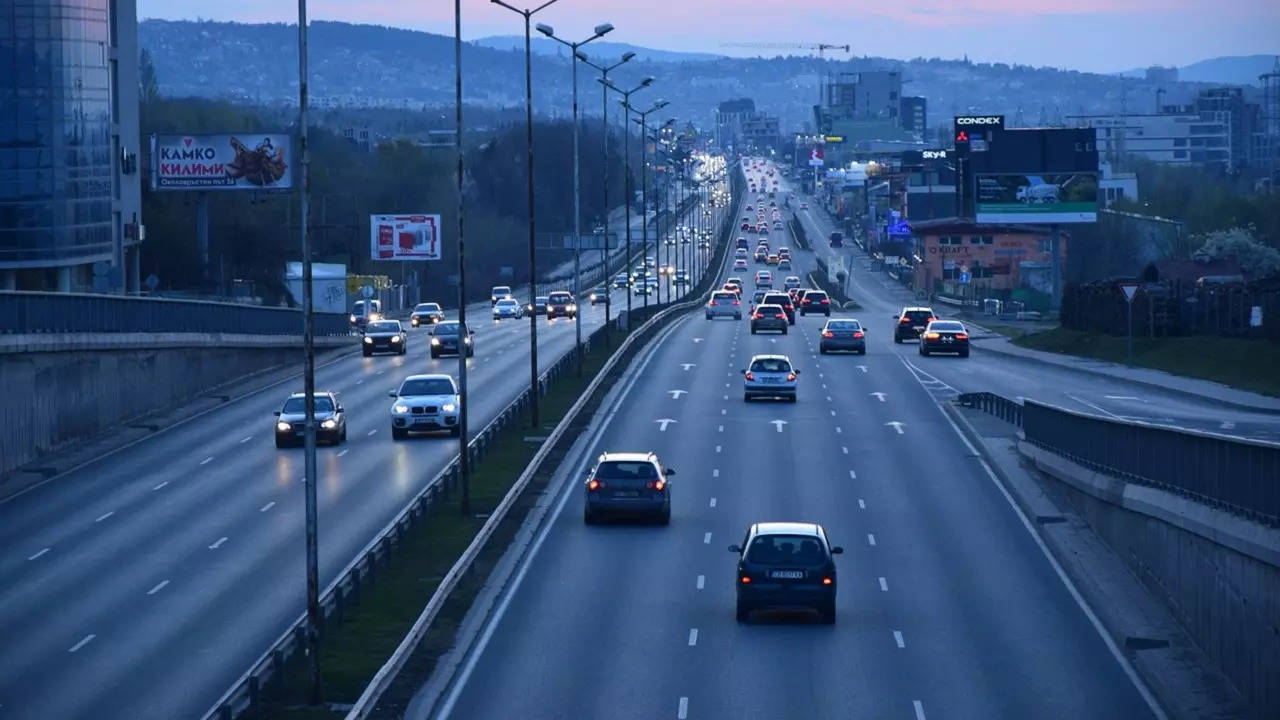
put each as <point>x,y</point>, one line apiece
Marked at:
<point>499,292</point>
<point>646,288</point>
<point>772,259</point>
<point>740,253</point>
<point>444,340</point>
<point>771,376</point>
<point>599,296</point>
<point>627,483</point>
<point>783,299</point>
<point>763,229</point>
<point>681,277</point>
<point>507,308</point>
<point>425,403</point>
<point>736,282</point>
<point>784,252</point>
<point>426,314</point>
<point>945,336</point>
<point>561,304</point>
<point>739,265</point>
<point>784,264</point>
<point>777,224</point>
<point>908,324</point>
<point>790,282</point>
<point>798,295</point>
<point>704,245</point>
<point>740,243</point>
<point>804,206</point>
<point>331,420</point>
<point>764,278</point>
<point>836,239</point>
<point>724,303</point>
<point>621,281</point>
<point>768,317</point>
<point>745,225</point>
<point>667,270</point>
<point>537,307</point>
<point>761,255</point>
<point>815,301</point>
<point>384,336</point>
<point>785,566</point>
<point>843,334</point>
<point>364,312</point>
<point>757,296</point>
<point>763,244</point>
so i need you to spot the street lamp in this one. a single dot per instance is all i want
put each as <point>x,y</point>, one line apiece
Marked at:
<point>464,457</point>
<point>644,183</point>
<point>626,154</point>
<point>533,264</point>
<point>599,32</point>
<point>604,142</point>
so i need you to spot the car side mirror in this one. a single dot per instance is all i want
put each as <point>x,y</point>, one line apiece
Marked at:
<point>743,371</point>
<point>392,393</point>
<point>339,409</point>
<point>668,471</point>
<point>837,550</point>
<point>796,371</point>
<point>735,549</point>
<point>895,317</point>
<point>276,413</point>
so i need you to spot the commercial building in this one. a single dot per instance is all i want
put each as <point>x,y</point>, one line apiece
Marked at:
<point>70,193</point>
<point>913,112</point>
<point>760,131</point>
<point>869,95</point>
<point>730,115</point>
<point>960,258</point>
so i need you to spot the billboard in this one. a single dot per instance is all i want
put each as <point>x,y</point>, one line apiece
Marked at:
<point>1056,198</point>
<point>245,161</point>
<point>815,157</point>
<point>404,237</point>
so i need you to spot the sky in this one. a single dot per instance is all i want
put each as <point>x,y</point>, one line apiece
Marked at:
<point>1090,35</point>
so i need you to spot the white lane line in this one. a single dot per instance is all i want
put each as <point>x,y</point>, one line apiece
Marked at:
<point>1119,397</point>
<point>158,587</point>
<point>371,432</point>
<point>706,539</point>
<point>702,581</point>
<point>717,448</point>
<point>245,439</point>
<point>1102,410</point>
<point>715,472</point>
<point>218,544</point>
<point>85,641</point>
<point>693,637</point>
<point>829,399</point>
<point>42,552</point>
<point>683,712</point>
<point>713,502</point>
<point>343,451</point>
<point>721,428</point>
<point>845,449</point>
<point>871,540</point>
<point>862,504</point>
<point>884,585</point>
<point>724,411</point>
<point>105,515</point>
<point>726,397</point>
<point>897,637</point>
<point>160,486</point>
<point>824,386</point>
<point>268,506</point>
<point>833,413</point>
<point>838,430</point>
<point>919,709</point>
<point>207,460</point>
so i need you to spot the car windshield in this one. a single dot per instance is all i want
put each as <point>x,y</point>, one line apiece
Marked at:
<point>946,326</point>
<point>298,405</point>
<point>767,309</point>
<point>561,297</point>
<point>427,386</point>
<point>541,299</point>
<point>780,298</point>
<point>623,470</point>
<point>786,550</point>
<point>508,303</point>
<point>449,328</point>
<point>501,290</point>
<point>770,365</point>
<point>426,307</point>
<point>844,325</point>
<point>384,326</point>
<point>724,296</point>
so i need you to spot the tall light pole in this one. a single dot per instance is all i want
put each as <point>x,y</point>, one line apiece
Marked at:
<point>626,154</point>
<point>533,262</point>
<point>308,377</point>
<point>604,143</point>
<point>600,31</point>
<point>464,457</point>
<point>644,182</point>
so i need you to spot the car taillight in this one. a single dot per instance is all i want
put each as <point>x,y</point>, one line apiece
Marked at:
<point>757,316</point>
<point>791,377</point>
<point>779,315</point>
<point>737,302</point>
<point>711,304</point>
<point>932,336</point>
<point>751,376</point>
<point>828,334</point>
<point>594,484</point>
<point>826,301</point>
<point>827,581</point>
<point>858,334</point>
<point>745,580</point>
<point>656,484</point>
<point>962,336</point>
<point>905,321</point>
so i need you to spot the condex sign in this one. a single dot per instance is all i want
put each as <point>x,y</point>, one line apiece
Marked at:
<point>247,161</point>
<point>996,120</point>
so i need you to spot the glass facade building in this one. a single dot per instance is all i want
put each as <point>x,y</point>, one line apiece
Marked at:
<point>62,192</point>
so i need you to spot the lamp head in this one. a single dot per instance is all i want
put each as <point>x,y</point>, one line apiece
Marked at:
<point>626,57</point>
<point>545,29</point>
<point>603,29</point>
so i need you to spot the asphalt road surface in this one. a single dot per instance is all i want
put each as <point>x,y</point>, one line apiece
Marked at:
<point>947,606</point>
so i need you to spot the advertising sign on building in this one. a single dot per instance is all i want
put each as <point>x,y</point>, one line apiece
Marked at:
<point>815,157</point>
<point>404,237</point>
<point>1059,198</point>
<point>246,161</point>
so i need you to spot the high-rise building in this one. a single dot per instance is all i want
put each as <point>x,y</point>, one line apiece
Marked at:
<point>70,193</point>
<point>729,117</point>
<point>913,115</point>
<point>869,95</point>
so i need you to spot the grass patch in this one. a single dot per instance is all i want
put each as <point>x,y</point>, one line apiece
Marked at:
<point>1010,331</point>
<point>1238,362</point>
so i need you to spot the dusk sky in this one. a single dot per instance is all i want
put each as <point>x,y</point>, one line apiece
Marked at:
<point>1094,35</point>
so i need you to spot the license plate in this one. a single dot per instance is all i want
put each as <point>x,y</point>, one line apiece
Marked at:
<point>917,328</point>
<point>948,339</point>
<point>787,574</point>
<point>771,381</point>
<point>626,493</point>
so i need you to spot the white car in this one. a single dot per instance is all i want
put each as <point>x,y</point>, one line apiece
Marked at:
<point>771,376</point>
<point>507,308</point>
<point>425,403</point>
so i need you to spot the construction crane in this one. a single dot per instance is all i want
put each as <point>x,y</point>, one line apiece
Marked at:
<point>820,47</point>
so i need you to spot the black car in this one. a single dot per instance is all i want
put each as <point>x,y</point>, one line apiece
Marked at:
<point>331,420</point>
<point>909,323</point>
<point>384,336</point>
<point>628,484</point>
<point>815,301</point>
<point>444,340</point>
<point>560,304</point>
<point>599,296</point>
<point>537,307</point>
<point>843,335</point>
<point>783,299</point>
<point>836,239</point>
<point>786,566</point>
<point>768,317</point>
<point>945,336</point>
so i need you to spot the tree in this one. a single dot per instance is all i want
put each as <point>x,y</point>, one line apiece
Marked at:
<point>1255,259</point>
<point>148,85</point>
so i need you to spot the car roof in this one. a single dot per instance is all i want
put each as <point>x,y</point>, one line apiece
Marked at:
<point>318,394</point>
<point>912,308</point>
<point>627,457</point>
<point>788,528</point>
<point>768,356</point>
<point>430,376</point>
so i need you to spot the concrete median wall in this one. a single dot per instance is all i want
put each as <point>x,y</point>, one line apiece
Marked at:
<point>59,391</point>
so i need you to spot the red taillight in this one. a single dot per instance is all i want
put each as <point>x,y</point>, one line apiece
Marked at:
<point>827,581</point>
<point>828,334</point>
<point>711,304</point>
<point>962,336</point>
<point>758,316</point>
<point>791,377</point>
<point>656,484</point>
<point>858,334</point>
<point>594,484</point>
<point>737,302</point>
<point>751,376</point>
<point>826,301</point>
<point>905,321</point>
<point>779,315</point>
<point>745,580</point>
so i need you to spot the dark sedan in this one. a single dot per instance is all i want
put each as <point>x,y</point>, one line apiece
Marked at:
<point>783,299</point>
<point>384,336</point>
<point>331,420</point>
<point>786,566</point>
<point>768,317</point>
<point>945,336</point>
<point>843,335</point>
<point>445,340</point>
<point>815,301</point>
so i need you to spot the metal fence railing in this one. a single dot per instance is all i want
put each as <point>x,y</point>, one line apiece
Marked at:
<point>1240,475</point>
<point>47,312</point>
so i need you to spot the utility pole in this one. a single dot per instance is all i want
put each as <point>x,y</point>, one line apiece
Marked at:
<point>464,456</point>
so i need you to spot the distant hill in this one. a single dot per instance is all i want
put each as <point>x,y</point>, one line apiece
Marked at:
<point>607,51</point>
<point>1226,70</point>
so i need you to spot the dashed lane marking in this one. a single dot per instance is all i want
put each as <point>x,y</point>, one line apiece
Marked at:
<point>884,585</point>
<point>218,544</point>
<point>706,539</point>
<point>159,586</point>
<point>37,555</point>
<point>84,641</point>
<point>871,540</point>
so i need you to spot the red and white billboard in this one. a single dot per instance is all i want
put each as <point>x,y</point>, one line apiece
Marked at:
<point>815,156</point>
<point>404,237</point>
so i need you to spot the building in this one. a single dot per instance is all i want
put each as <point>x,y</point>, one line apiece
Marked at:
<point>960,258</point>
<point>1180,136</point>
<point>70,193</point>
<point>729,117</point>
<point>1157,75</point>
<point>914,118</point>
<point>1113,186</point>
<point>870,95</point>
<point>360,137</point>
<point>1242,118</point>
<point>760,131</point>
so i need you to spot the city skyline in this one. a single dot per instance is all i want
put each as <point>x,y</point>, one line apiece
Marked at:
<point>1093,36</point>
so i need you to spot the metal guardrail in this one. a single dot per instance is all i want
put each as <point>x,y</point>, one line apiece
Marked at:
<point>1240,475</point>
<point>43,312</point>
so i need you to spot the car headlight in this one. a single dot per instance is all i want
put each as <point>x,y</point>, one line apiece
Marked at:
<point>400,409</point>
<point>448,407</point>
<point>573,306</point>
<point>329,424</point>
<point>353,318</point>
<point>368,340</point>
<point>283,426</point>
<point>435,341</point>
<point>467,340</point>
<point>395,338</point>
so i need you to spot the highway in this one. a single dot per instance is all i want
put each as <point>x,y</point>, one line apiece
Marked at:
<point>144,583</point>
<point>947,605</point>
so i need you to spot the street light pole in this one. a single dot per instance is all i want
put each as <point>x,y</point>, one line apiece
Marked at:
<point>533,261</point>
<point>464,457</point>
<point>599,32</point>
<point>644,187</point>
<point>626,153</point>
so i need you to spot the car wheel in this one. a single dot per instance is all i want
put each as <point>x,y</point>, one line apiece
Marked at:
<point>784,331</point>
<point>367,353</point>
<point>665,517</point>
<point>753,329</point>
<point>279,443</point>
<point>791,399</point>
<point>746,397</point>
<point>455,432</point>
<point>471,353</point>
<point>743,613</point>
<point>737,316</point>
<point>404,350</point>
<point>708,316</point>
<point>399,433</point>
<point>343,437</point>
<point>923,352</point>
<point>863,351</point>
<point>822,351</point>
<point>897,339</point>
<point>827,313</point>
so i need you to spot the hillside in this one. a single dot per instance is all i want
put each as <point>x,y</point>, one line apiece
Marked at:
<point>607,51</point>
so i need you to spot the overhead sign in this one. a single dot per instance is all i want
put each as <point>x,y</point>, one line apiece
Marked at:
<point>1060,198</point>
<point>248,161</point>
<point>404,237</point>
<point>1129,289</point>
<point>815,157</point>
<point>836,139</point>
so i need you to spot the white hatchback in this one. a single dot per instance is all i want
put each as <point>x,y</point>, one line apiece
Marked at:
<point>769,376</point>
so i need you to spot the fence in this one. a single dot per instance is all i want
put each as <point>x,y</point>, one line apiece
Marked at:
<point>1174,308</point>
<point>41,312</point>
<point>1237,474</point>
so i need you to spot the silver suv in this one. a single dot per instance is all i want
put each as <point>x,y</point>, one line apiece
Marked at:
<point>724,303</point>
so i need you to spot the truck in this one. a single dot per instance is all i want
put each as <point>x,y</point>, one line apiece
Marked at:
<point>1038,194</point>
